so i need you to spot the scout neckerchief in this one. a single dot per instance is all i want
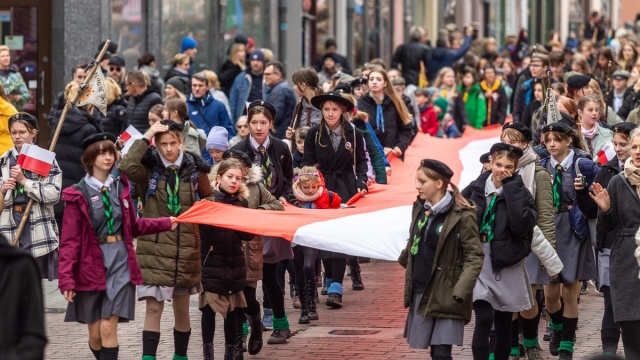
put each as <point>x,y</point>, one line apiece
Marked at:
<point>19,188</point>
<point>173,183</point>
<point>104,192</point>
<point>265,161</point>
<point>429,211</point>
<point>557,178</point>
<point>379,113</point>
<point>489,217</point>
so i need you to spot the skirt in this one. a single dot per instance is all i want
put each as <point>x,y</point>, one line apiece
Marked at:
<point>537,274</point>
<point>424,331</point>
<point>163,293</point>
<point>576,254</point>
<point>506,290</point>
<point>603,268</point>
<point>222,304</point>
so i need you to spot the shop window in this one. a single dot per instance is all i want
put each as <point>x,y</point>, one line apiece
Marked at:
<point>128,29</point>
<point>182,18</point>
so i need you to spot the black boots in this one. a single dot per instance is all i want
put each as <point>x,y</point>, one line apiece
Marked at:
<point>356,279</point>
<point>311,293</point>
<point>304,306</point>
<point>207,351</point>
<point>255,337</point>
<point>230,352</point>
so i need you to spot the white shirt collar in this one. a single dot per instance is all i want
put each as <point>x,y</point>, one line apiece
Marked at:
<point>566,163</point>
<point>97,184</point>
<point>490,187</point>
<point>177,163</point>
<point>255,145</point>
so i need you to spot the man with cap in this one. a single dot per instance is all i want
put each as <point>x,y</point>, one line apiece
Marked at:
<point>620,90</point>
<point>281,95</point>
<point>247,87</point>
<point>117,71</point>
<point>524,94</point>
<point>190,48</point>
<point>413,57</point>
<point>331,47</point>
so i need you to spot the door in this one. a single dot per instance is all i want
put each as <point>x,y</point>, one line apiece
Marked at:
<point>25,27</point>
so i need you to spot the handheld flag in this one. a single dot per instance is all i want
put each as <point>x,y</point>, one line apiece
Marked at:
<point>607,153</point>
<point>36,159</point>
<point>95,93</point>
<point>553,114</point>
<point>130,135</point>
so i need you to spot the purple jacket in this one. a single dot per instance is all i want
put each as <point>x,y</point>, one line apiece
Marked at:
<point>81,266</point>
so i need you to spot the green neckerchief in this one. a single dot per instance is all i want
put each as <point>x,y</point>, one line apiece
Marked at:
<point>418,235</point>
<point>489,218</point>
<point>108,210</point>
<point>266,166</point>
<point>174,201</point>
<point>557,187</point>
<point>19,188</point>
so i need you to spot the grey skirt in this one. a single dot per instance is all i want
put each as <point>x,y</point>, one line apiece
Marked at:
<point>162,293</point>
<point>603,268</point>
<point>424,331</point>
<point>537,274</point>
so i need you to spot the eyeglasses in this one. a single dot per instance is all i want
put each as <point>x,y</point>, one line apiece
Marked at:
<point>115,69</point>
<point>242,126</point>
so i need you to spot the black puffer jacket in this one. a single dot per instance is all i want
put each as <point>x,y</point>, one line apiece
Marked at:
<point>396,132</point>
<point>224,270</point>
<point>630,102</point>
<point>138,108</point>
<point>227,74</point>
<point>116,120</point>
<point>516,215</point>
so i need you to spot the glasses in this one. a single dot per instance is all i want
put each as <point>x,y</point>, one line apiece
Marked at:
<point>535,65</point>
<point>115,69</point>
<point>242,126</point>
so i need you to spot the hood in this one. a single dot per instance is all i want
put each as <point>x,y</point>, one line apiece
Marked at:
<point>242,194</point>
<point>75,120</point>
<point>206,100</point>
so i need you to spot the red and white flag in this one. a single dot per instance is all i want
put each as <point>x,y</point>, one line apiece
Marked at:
<point>607,153</point>
<point>130,135</point>
<point>36,159</point>
<point>378,225</point>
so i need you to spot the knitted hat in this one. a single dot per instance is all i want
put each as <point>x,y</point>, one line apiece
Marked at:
<point>188,43</point>
<point>218,139</point>
<point>180,83</point>
<point>442,103</point>
<point>257,55</point>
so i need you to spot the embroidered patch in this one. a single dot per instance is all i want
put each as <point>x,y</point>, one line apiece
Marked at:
<point>439,229</point>
<point>95,198</point>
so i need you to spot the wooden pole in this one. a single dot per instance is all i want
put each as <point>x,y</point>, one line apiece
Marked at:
<point>71,102</point>
<point>606,93</point>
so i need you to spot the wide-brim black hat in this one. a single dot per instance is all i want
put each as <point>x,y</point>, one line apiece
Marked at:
<point>506,147</point>
<point>438,166</point>
<point>267,105</point>
<point>97,137</point>
<point>24,116</point>
<point>519,127</point>
<point>333,96</point>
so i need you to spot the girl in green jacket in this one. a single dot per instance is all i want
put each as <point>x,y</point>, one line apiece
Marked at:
<point>475,103</point>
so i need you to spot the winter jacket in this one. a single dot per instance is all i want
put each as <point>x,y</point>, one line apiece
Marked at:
<point>138,108</point>
<point>45,193</point>
<point>456,266</point>
<point>443,57</point>
<point>496,104</point>
<point>528,114</point>
<point>376,156</point>
<point>80,258</point>
<point>280,154</point>
<point>634,116</point>
<point>475,105</point>
<point>222,97</point>
<point>6,111</point>
<point>227,74</point>
<point>523,96</point>
<point>116,121</point>
<point>173,257</point>
<point>337,166</point>
<point>224,270</point>
<point>631,101</point>
<point>22,312</point>
<point>239,95</point>
<point>13,83</point>
<point>325,200</point>
<point>284,100</point>
<point>396,132</point>
<point>194,141</point>
<point>409,57</point>
<point>544,203</point>
<point>206,113</point>
<point>173,72</point>
<point>429,121</point>
<point>154,75</point>
<point>516,215</point>
<point>542,249</point>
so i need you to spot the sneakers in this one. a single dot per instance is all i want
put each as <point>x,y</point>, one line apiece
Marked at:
<point>279,337</point>
<point>583,288</point>
<point>334,300</point>
<point>566,355</point>
<point>267,320</point>
<point>534,353</point>
<point>554,342</point>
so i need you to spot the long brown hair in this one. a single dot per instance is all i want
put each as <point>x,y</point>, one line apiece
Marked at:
<point>343,121</point>
<point>457,196</point>
<point>309,77</point>
<point>389,91</point>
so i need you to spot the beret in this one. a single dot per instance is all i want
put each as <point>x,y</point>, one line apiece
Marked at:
<point>520,127</point>
<point>484,158</point>
<point>24,116</point>
<point>438,166</point>
<point>559,126</point>
<point>239,155</point>
<point>343,87</point>
<point>624,127</point>
<point>578,81</point>
<point>265,104</point>
<point>358,82</point>
<point>97,137</point>
<point>173,126</point>
<point>506,147</point>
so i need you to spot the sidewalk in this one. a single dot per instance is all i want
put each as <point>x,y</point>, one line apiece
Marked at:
<point>372,319</point>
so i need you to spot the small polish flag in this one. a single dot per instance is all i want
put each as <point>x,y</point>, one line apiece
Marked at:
<point>130,135</point>
<point>36,159</point>
<point>606,153</point>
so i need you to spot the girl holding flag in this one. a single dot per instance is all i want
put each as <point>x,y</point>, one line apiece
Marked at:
<point>40,233</point>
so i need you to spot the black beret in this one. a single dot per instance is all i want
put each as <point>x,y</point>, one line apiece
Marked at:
<point>343,88</point>
<point>97,137</point>
<point>559,126</point>
<point>173,126</point>
<point>358,82</point>
<point>267,105</point>
<point>334,96</point>
<point>520,127</point>
<point>624,128</point>
<point>437,166</point>
<point>237,154</point>
<point>484,158</point>
<point>24,116</point>
<point>505,147</point>
<point>578,81</point>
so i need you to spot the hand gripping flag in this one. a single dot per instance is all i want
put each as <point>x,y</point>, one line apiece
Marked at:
<point>36,159</point>
<point>95,93</point>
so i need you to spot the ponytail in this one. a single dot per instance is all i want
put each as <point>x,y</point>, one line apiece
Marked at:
<point>458,198</point>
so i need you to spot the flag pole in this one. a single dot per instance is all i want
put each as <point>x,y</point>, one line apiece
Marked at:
<point>606,94</point>
<point>93,66</point>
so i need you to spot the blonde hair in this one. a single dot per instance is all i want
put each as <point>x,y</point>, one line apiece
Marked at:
<point>4,48</point>
<point>179,59</point>
<point>233,58</point>
<point>441,74</point>
<point>212,77</point>
<point>268,55</point>
<point>309,174</point>
<point>113,90</point>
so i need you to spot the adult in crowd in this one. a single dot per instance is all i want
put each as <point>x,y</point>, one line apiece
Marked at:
<point>524,94</point>
<point>274,158</point>
<point>140,99</point>
<point>232,67</point>
<point>444,56</point>
<point>40,234</point>
<point>147,63</point>
<point>338,150</point>
<point>619,91</point>
<point>214,89</point>
<point>412,58</point>
<point>116,121</point>
<point>172,180</point>
<point>12,81</point>
<point>176,110</point>
<point>181,65</point>
<point>117,70</point>
<point>331,47</point>
<point>280,94</point>
<point>205,111</point>
<point>631,101</point>
<point>388,115</point>
<point>6,111</point>
<point>247,86</point>
<point>496,98</point>
<point>78,125</point>
<point>628,56</point>
<point>78,75</point>
<point>177,87</point>
<point>190,48</point>
<point>306,85</point>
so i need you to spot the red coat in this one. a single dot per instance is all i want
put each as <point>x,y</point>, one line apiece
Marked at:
<point>429,121</point>
<point>81,266</point>
<point>328,202</point>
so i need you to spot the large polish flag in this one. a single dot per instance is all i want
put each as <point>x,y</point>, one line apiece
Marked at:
<point>378,225</point>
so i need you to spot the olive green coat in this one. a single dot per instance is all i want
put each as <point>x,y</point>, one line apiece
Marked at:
<point>171,258</point>
<point>456,266</point>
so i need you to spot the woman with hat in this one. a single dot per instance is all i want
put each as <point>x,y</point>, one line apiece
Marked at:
<point>40,233</point>
<point>610,332</point>
<point>337,148</point>
<point>543,261</point>
<point>99,225</point>
<point>306,85</point>
<point>274,158</point>
<point>619,212</point>
<point>506,216</point>
<point>574,249</point>
<point>578,86</point>
<point>172,180</point>
<point>443,232</point>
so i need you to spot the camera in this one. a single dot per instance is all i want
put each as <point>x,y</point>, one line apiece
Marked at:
<point>583,182</point>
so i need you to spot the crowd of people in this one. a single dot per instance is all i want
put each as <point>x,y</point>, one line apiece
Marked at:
<point>244,137</point>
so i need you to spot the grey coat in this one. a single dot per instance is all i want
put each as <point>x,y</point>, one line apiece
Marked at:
<point>624,218</point>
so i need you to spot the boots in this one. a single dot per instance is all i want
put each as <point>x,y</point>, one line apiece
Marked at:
<point>356,278</point>
<point>238,354</point>
<point>255,338</point>
<point>230,351</point>
<point>311,292</point>
<point>207,351</point>
<point>304,307</point>
<point>324,284</point>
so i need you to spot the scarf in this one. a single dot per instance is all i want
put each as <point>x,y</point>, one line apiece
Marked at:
<point>489,95</point>
<point>527,169</point>
<point>304,198</point>
<point>632,173</point>
<point>590,134</point>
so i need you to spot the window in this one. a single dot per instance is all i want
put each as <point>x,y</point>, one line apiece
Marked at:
<point>182,18</point>
<point>128,30</point>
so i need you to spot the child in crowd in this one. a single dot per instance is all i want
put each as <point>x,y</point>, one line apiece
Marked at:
<point>530,109</point>
<point>475,103</point>
<point>311,193</point>
<point>155,114</point>
<point>446,123</point>
<point>242,130</point>
<point>217,143</point>
<point>428,117</point>
<point>300,135</point>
